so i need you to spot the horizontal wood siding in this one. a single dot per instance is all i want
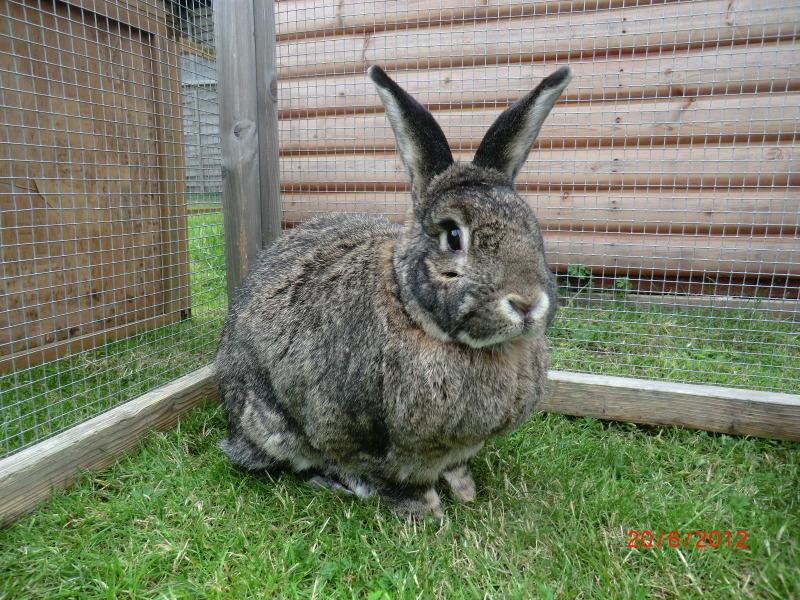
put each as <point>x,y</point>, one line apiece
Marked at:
<point>674,151</point>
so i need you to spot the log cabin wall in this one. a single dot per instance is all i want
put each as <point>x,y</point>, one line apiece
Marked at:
<point>671,161</point>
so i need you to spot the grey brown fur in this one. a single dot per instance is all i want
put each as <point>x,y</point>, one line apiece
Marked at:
<point>371,357</point>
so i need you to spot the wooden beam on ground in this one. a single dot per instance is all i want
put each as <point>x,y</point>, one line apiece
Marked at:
<point>723,410</point>
<point>30,476</point>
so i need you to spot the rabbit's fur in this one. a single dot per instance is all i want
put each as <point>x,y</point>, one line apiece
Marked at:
<point>371,357</point>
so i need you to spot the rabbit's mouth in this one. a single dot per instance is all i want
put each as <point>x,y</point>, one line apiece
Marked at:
<point>509,320</point>
<point>496,341</point>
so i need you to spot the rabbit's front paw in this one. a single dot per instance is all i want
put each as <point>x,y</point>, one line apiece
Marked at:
<point>462,485</point>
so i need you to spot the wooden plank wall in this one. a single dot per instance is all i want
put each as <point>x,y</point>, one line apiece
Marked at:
<point>673,153</point>
<point>92,217</point>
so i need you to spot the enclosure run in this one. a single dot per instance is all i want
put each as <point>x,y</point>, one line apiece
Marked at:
<point>666,181</point>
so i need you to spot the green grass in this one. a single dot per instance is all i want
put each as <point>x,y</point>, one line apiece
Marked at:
<point>46,399</point>
<point>731,348</point>
<point>556,502</point>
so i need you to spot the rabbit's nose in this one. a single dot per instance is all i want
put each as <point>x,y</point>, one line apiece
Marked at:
<point>529,308</point>
<point>519,304</point>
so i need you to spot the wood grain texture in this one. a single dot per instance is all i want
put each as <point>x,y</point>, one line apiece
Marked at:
<point>646,255</point>
<point>90,204</point>
<point>744,211</point>
<point>651,167</point>
<point>728,70</point>
<point>239,137</point>
<point>303,18</point>
<point>643,255</point>
<point>679,129</point>
<point>173,218</point>
<point>30,476</point>
<point>724,410</point>
<point>575,34</point>
<point>266,78</point>
<point>147,15</point>
<point>653,122</point>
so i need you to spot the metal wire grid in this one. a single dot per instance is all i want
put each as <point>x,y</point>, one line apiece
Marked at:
<point>201,120</point>
<point>342,173</point>
<point>104,298</point>
<point>666,181</point>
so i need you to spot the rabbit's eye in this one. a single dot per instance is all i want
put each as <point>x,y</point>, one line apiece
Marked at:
<point>454,239</point>
<point>452,235</point>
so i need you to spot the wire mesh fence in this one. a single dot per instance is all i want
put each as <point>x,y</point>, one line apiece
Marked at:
<point>666,181</point>
<point>113,281</point>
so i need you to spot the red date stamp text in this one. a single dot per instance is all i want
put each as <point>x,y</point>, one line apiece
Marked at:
<point>688,539</point>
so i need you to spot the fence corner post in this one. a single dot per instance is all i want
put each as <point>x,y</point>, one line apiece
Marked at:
<point>247,86</point>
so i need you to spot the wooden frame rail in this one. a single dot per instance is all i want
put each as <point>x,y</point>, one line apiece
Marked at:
<point>31,476</point>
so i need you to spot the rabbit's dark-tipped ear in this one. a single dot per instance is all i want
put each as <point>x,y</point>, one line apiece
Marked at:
<point>506,145</point>
<point>420,141</point>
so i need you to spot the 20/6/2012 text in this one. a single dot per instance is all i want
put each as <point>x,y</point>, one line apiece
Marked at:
<point>677,539</point>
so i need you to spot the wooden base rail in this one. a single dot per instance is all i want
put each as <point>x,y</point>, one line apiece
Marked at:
<point>31,476</point>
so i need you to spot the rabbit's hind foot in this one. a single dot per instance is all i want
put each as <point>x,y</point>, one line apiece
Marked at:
<point>338,481</point>
<point>246,455</point>
<point>413,502</point>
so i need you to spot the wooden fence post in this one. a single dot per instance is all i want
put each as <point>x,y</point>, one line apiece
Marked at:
<point>267,105</point>
<point>248,121</point>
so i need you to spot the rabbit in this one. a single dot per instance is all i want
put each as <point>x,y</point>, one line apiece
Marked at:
<point>370,357</point>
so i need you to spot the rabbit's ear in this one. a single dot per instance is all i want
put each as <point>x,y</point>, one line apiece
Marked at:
<point>506,145</point>
<point>420,141</point>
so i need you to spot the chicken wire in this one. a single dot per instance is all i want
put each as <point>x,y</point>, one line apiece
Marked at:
<point>112,259</point>
<point>666,179</point>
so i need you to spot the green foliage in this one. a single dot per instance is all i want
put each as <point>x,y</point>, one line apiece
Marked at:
<point>622,286</point>
<point>578,272</point>
<point>578,277</point>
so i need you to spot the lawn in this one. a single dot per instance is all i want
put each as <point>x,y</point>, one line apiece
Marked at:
<point>557,500</point>
<point>556,503</point>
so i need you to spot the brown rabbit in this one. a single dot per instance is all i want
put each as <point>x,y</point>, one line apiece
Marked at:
<point>371,357</point>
